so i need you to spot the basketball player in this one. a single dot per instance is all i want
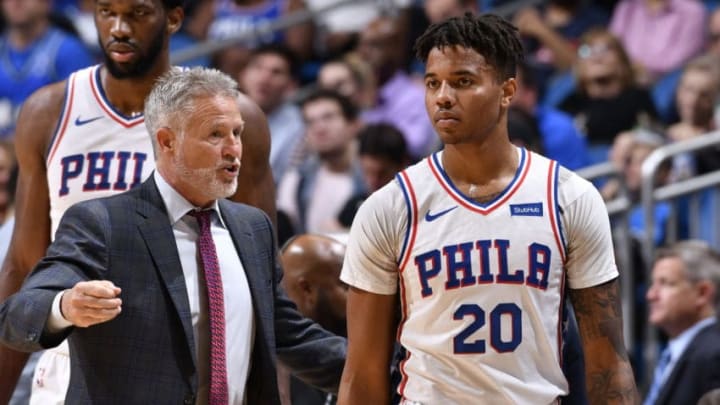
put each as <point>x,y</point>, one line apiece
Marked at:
<point>85,138</point>
<point>479,241</point>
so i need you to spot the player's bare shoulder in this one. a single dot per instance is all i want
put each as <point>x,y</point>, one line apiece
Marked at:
<point>256,132</point>
<point>39,116</point>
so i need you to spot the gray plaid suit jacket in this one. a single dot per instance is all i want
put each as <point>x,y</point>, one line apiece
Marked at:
<point>146,355</point>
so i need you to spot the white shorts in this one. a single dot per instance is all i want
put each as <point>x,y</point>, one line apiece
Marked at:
<point>52,376</point>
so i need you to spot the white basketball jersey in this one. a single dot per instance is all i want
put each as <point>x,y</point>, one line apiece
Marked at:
<point>96,151</point>
<point>481,285</point>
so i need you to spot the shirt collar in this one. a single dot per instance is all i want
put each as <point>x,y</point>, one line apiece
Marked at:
<point>680,343</point>
<point>177,205</point>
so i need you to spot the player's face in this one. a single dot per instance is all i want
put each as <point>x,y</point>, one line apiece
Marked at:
<point>133,34</point>
<point>206,158</point>
<point>673,301</point>
<point>464,98</point>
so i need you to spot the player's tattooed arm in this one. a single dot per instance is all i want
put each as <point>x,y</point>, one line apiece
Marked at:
<point>609,376</point>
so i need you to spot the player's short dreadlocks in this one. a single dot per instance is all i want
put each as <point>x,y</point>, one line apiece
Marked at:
<point>168,4</point>
<point>491,36</point>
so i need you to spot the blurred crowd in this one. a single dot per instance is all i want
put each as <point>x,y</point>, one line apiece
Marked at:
<point>343,93</point>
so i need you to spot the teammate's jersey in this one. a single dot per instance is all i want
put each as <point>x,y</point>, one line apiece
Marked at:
<point>96,151</point>
<point>481,285</point>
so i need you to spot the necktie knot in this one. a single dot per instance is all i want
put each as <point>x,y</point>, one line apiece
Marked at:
<point>203,217</point>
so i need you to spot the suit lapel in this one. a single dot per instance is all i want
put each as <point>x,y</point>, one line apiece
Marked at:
<point>245,245</point>
<point>158,235</point>
<point>262,377</point>
<point>678,370</point>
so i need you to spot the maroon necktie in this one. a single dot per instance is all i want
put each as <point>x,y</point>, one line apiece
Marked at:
<point>216,306</point>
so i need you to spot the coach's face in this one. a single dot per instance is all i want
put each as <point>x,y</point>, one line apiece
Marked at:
<point>133,34</point>
<point>202,161</point>
<point>464,98</point>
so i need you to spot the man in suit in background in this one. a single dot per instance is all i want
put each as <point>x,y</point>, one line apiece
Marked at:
<point>311,266</point>
<point>153,311</point>
<point>682,301</point>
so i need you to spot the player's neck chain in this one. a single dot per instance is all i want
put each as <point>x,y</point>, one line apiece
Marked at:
<point>482,199</point>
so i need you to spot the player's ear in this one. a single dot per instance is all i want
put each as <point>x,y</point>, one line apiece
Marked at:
<point>175,18</point>
<point>509,87</point>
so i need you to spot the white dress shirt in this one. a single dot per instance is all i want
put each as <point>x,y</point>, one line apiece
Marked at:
<point>239,318</point>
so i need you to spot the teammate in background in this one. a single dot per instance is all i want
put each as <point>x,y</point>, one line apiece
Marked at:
<point>481,239</point>
<point>84,138</point>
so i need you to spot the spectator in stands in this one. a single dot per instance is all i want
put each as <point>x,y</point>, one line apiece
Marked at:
<point>311,266</point>
<point>270,79</point>
<point>618,156</point>
<point>33,53</point>
<point>399,99</point>
<point>249,20</point>
<point>664,90</point>
<point>712,44</point>
<point>644,142</point>
<point>337,30</point>
<point>524,131</point>
<point>350,76</point>
<point>313,194</point>
<point>191,33</point>
<point>382,153</point>
<point>606,101</point>
<point>659,35</point>
<point>697,96</point>
<point>560,139</point>
<point>440,10</point>
<point>552,32</point>
<point>683,302</point>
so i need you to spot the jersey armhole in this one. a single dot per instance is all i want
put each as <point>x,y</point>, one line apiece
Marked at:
<point>412,213</point>
<point>63,120</point>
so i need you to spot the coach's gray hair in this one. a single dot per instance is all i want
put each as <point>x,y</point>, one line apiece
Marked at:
<point>701,262</point>
<point>173,97</point>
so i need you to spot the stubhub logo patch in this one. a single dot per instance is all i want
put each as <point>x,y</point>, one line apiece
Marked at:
<point>528,210</point>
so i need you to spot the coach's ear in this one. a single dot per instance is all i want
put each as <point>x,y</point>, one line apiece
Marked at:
<point>175,18</point>
<point>166,140</point>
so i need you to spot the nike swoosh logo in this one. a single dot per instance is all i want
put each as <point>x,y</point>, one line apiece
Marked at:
<point>79,122</point>
<point>431,217</point>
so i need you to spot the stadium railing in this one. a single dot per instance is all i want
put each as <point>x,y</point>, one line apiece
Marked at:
<point>695,213</point>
